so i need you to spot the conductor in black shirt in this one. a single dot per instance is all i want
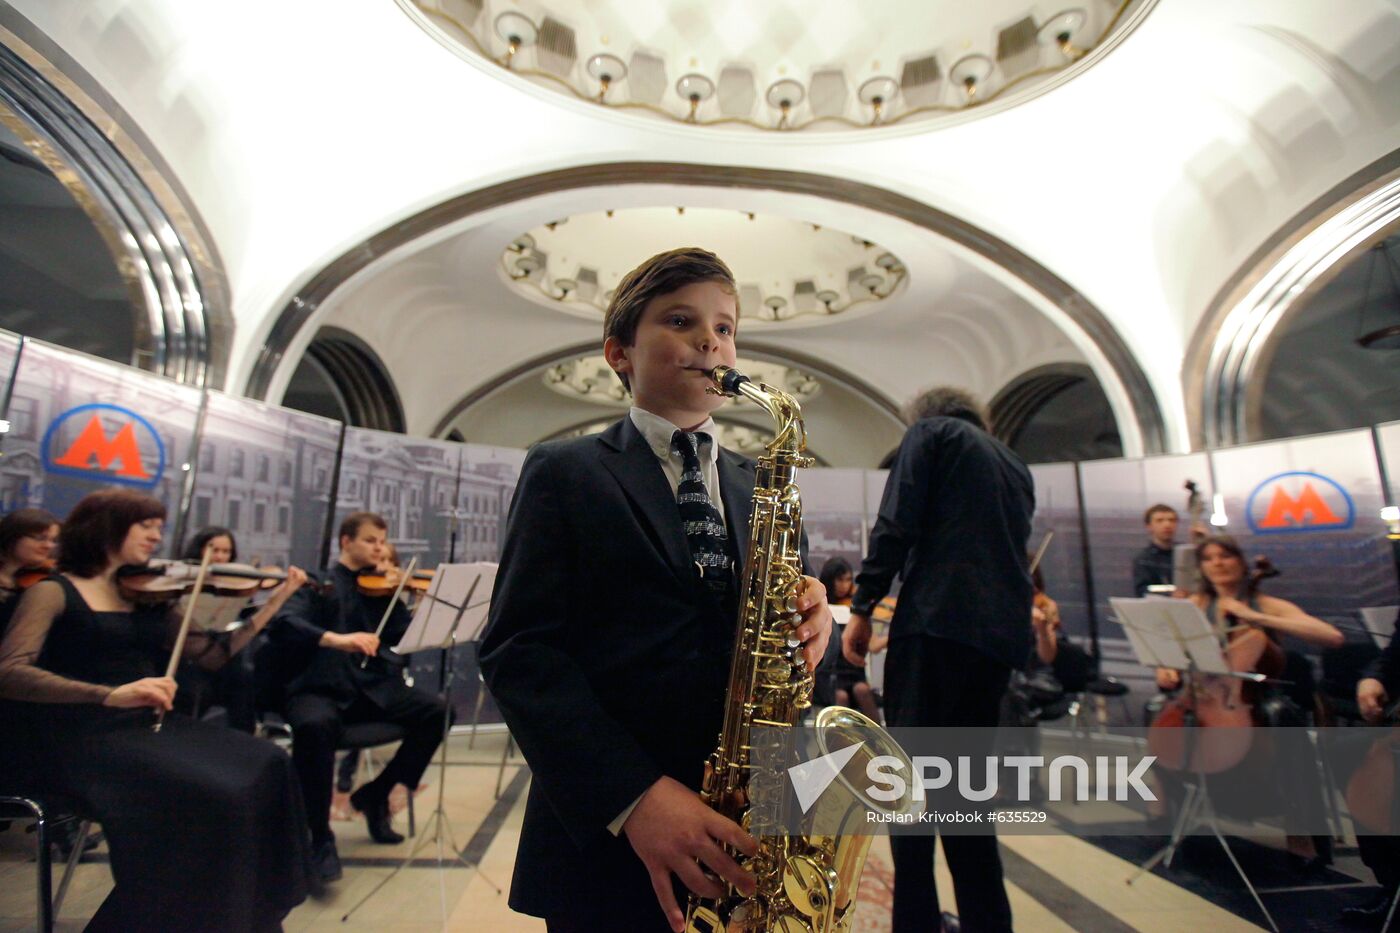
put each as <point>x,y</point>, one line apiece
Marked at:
<point>336,625</point>
<point>953,523</point>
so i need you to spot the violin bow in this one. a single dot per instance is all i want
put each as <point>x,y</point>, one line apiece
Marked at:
<point>184,632</point>
<point>1040,551</point>
<point>403,579</point>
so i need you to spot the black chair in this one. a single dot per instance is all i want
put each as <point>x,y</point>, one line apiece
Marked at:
<point>47,813</point>
<point>366,735</point>
<point>359,736</point>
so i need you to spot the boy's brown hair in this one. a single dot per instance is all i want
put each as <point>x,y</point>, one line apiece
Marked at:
<point>660,275</point>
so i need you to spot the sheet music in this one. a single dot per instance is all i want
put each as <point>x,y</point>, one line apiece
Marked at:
<point>438,609</point>
<point>1163,631</point>
<point>1380,622</point>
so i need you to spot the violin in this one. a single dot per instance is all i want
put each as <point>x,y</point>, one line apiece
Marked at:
<point>1214,702</point>
<point>161,581</point>
<point>373,582</point>
<point>25,577</point>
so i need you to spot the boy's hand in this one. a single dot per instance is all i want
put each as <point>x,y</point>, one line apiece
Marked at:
<point>815,630</point>
<point>672,831</point>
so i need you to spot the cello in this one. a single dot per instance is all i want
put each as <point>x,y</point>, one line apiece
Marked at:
<point>1219,702</point>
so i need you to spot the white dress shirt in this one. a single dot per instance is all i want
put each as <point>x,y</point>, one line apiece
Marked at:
<point>658,433</point>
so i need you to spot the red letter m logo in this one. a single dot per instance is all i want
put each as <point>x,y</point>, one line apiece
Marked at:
<point>1308,509</point>
<point>94,443</point>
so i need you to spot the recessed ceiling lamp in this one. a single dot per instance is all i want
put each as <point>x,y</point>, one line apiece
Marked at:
<point>970,73</point>
<point>606,69</point>
<point>1387,296</point>
<point>517,31</point>
<point>696,89</point>
<point>783,96</point>
<point>876,93</point>
<point>1062,30</point>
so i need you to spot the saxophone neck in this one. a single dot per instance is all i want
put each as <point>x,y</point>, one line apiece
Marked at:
<point>791,435</point>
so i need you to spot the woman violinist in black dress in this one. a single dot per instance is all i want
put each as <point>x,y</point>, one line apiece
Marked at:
<point>205,825</point>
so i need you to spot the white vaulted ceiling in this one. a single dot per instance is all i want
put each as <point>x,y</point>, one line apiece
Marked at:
<point>311,134</point>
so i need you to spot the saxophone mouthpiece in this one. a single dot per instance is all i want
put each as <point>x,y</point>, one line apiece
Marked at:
<point>728,379</point>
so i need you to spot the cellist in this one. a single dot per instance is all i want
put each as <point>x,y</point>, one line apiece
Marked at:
<point>1250,625</point>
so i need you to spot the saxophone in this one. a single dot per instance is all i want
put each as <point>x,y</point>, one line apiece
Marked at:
<point>806,883</point>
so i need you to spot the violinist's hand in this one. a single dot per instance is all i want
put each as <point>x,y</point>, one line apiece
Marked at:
<point>1168,678</point>
<point>296,579</point>
<point>1039,621</point>
<point>353,643</point>
<point>1371,697</point>
<point>155,692</point>
<point>672,832</point>
<point>815,629</point>
<point>855,641</point>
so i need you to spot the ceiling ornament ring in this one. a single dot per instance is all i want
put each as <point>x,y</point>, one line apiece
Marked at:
<point>1016,61</point>
<point>785,269</point>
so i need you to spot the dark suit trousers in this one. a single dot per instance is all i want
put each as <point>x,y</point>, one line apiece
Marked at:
<point>937,682</point>
<point>318,722</point>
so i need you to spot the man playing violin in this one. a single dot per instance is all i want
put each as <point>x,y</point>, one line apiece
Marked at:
<point>337,625</point>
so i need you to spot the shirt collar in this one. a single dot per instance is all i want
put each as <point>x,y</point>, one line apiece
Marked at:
<point>658,433</point>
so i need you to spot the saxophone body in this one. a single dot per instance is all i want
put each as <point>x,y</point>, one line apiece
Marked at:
<point>805,883</point>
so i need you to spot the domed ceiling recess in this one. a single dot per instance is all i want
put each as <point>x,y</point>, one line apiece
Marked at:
<point>787,64</point>
<point>788,271</point>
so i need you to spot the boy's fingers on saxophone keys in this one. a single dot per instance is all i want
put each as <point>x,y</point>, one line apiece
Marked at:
<point>666,897</point>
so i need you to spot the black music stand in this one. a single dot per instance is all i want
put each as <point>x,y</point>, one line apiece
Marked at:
<point>1174,633</point>
<point>434,627</point>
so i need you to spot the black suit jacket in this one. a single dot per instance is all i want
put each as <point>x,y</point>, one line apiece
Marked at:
<point>953,524</point>
<point>607,657</point>
<point>1386,666</point>
<point>310,613</point>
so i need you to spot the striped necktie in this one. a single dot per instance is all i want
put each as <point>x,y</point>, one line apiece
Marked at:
<point>704,526</point>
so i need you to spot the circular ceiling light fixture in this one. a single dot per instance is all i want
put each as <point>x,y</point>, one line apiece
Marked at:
<point>788,270</point>
<point>605,69</point>
<point>1062,30</point>
<point>876,94</point>
<point>784,95</point>
<point>970,73</point>
<point>517,31</point>
<point>695,89</point>
<point>818,72</point>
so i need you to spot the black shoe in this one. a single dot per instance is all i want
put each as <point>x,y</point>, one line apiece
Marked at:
<point>325,862</point>
<point>951,923</point>
<point>376,811</point>
<point>67,836</point>
<point>1369,915</point>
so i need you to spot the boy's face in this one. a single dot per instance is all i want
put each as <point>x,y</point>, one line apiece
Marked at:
<point>680,336</point>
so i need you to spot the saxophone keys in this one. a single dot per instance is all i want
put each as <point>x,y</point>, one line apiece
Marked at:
<point>790,924</point>
<point>808,886</point>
